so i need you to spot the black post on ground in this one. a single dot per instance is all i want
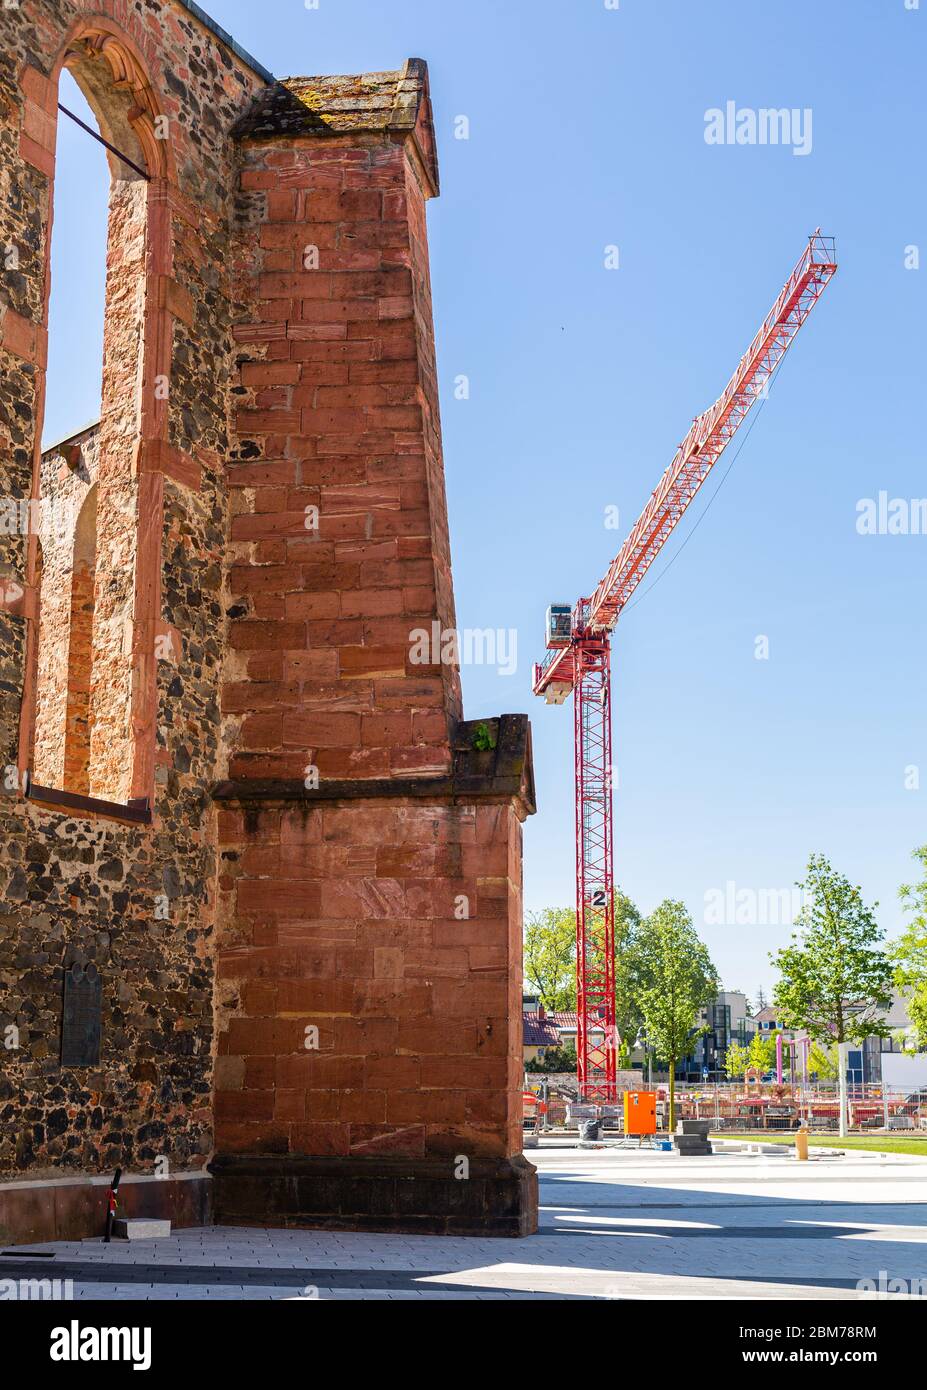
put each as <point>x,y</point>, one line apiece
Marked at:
<point>111,1206</point>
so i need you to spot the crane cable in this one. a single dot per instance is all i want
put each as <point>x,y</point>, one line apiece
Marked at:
<point>746,436</point>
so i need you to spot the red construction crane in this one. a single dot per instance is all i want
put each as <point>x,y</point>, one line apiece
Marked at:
<point>578,660</point>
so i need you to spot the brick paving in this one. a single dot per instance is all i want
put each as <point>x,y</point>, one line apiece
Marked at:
<point>615,1224</point>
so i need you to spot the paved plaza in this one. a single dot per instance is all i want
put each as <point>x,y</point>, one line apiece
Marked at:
<point>614,1224</point>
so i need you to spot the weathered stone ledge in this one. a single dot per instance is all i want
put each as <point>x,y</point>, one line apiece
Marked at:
<point>501,772</point>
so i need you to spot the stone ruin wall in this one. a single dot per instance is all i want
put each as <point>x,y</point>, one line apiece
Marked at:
<point>134,899</point>
<point>235,649</point>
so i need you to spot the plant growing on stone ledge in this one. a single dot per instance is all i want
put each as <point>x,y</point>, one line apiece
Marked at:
<point>483,738</point>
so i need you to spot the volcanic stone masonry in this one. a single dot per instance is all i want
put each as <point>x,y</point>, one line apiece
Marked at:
<point>226,783</point>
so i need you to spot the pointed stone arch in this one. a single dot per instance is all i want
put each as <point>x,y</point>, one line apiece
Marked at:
<point>138,337</point>
<point>111,73</point>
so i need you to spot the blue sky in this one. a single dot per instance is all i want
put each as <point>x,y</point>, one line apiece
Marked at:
<point>587,130</point>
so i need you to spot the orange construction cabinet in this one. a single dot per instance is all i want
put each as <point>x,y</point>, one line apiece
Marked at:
<point>640,1112</point>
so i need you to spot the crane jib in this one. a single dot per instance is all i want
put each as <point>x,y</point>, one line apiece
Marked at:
<point>710,434</point>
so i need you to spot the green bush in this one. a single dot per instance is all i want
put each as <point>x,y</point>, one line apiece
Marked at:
<point>555,1059</point>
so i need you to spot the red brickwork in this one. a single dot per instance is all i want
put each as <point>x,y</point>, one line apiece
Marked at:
<point>345,922</point>
<point>338,368</point>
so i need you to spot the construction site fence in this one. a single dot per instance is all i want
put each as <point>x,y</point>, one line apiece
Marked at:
<point>736,1109</point>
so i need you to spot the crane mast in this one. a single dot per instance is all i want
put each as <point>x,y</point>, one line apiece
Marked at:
<point>578,660</point>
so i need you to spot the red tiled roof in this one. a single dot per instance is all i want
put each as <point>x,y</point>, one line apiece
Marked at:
<point>564,1019</point>
<point>550,1026</point>
<point>539,1032</point>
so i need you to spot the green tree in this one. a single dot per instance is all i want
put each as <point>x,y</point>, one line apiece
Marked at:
<point>550,962</point>
<point>629,972</point>
<point>822,1062</point>
<point>835,979</point>
<point>762,1051</point>
<point>909,953</point>
<point>735,1060</point>
<point>680,980</point>
<point>550,957</point>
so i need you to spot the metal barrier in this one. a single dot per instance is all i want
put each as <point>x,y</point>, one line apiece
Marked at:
<point>780,1106</point>
<point>739,1108</point>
